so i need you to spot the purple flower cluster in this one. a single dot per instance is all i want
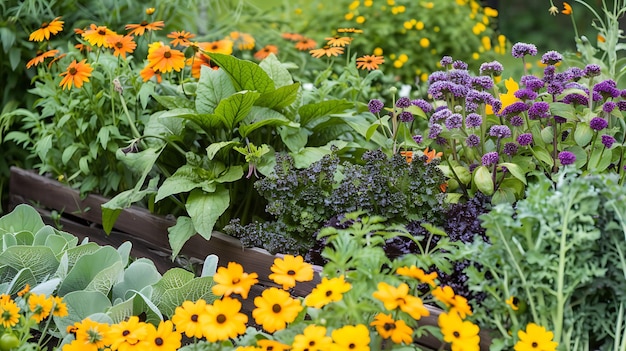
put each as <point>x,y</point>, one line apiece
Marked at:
<point>609,106</point>
<point>519,50</point>
<point>510,149</point>
<point>514,109</point>
<point>445,61</point>
<point>418,138</point>
<point>539,110</point>
<point>482,82</point>
<point>551,58</point>
<point>375,106</point>
<point>516,121</point>
<point>598,123</point>
<point>500,131</point>
<point>607,141</point>
<point>423,104</point>
<point>493,68</point>
<point>472,140</point>
<point>531,82</point>
<point>567,158</point>
<point>607,88</point>
<point>473,120</point>
<point>435,130</point>
<point>592,70</point>
<point>406,116</point>
<point>490,158</point>
<point>403,102</point>
<point>525,139</point>
<point>525,94</point>
<point>454,121</point>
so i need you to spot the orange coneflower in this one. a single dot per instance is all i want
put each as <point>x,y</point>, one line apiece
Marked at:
<point>327,51</point>
<point>338,41</point>
<point>77,73</point>
<point>224,46</point>
<point>147,73</point>
<point>164,59</point>
<point>197,61</point>
<point>97,35</point>
<point>350,30</point>
<point>369,62</point>
<point>306,44</point>
<point>567,9</point>
<point>56,59</point>
<point>122,44</point>
<point>41,57</point>
<point>292,36</point>
<point>140,29</point>
<point>431,155</point>
<point>79,31</point>
<point>244,41</point>
<point>82,47</point>
<point>266,51</point>
<point>47,29</point>
<point>180,38</point>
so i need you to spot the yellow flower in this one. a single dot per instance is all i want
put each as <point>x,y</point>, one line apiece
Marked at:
<point>233,280</point>
<point>90,335</point>
<point>535,338</point>
<point>513,302</point>
<point>224,46</point>
<point>244,41</point>
<point>424,42</point>
<point>327,51</point>
<point>186,318</point>
<point>338,41</point>
<point>289,270</point>
<point>351,338</point>
<point>140,29</point>
<point>327,291</point>
<point>222,320</point>
<point>97,35</point>
<point>40,305</point>
<point>354,5</point>
<point>369,62</point>
<point>360,19</point>
<point>180,38</point>
<point>275,309</point>
<point>399,297</point>
<point>419,25</point>
<point>444,294</point>
<point>129,335</point>
<point>9,313</point>
<point>121,44</point>
<point>463,335</point>
<point>388,328</point>
<point>378,51</point>
<point>60,308</point>
<point>567,9</point>
<point>40,58</point>
<point>272,345</point>
<point>491,12</point>
<point>164,59</point>
<point>76,74</point>
<point>150,11</point>
<point>419,274</point>
<point>46,30</point>
<point>165,338</point>
<point>313,337</point>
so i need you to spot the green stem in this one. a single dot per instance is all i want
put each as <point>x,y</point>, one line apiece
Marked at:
<point>131,121</point>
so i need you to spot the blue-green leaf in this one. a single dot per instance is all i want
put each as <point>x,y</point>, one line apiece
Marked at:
<point>245,75</point>
<point>205,208</point>
<point>213,87</point>
<point>276,71</point>
<point>310,112</point>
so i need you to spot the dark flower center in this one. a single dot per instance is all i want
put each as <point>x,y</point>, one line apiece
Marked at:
<point>119,45</point>
<point>291,272</point>
<point>276,308</point>
<point>328,293</point>
<point>534,345</point>
<point>220,318</point>
<point>125,332</point>
<point>351,346</point>
<point>194,317</point>
<point>158,341</point>
<point>236,280</point>
<point>143,23</point>
<point>102,32</point>
<point>389,326</point>
<point>456,334</point>
<point>167,54</point>
<point>270,348</point>
<point>73,71</point>
<point>311,343</point>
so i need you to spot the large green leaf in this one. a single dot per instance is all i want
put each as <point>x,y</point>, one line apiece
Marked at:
<point>95,271</point>
<point>279,98</point>
<point>235,108</point>
<point>483,180</point>
<point>276,71</point>
<point>515,170</point>
<point>185,179</point>
<point>173,102</point>
<point>205,208</point>
<point>80,305</point>
<point>195,289</point>
<point>179,233</point>
<point>40,259</point>
<point>112,208</point>
<point>213,87</point>
<point>137,275</point>
<point>262,116</point>
<point>214,148</point>
<point>310,112</point>
<point>23,217</point>
<point>245,75</point>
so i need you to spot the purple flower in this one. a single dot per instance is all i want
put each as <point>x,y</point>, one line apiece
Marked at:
<point>575,73</point>
<point>454,121</point>
<point>375,106</point>
<point>458,64</point>
<point>514,109</point>
<point>473,120</point>
<point>490,158</point>
<point>607,88</point>
<point>403,102</point>
<point>554,88</point>
<point>621,105</point>
<point>516,121</point>
<point>500,131</point>
<point>446,61</point>
<point>494,68</point>
<point>437,76</point>
<point>592,70</point>
<point>539,110</point>
<point>576,99</point>
<point>459,76</point>
<point>559,119</point>
<point>441,114</point>
<point>418,138</point>
<point>406,117</point>
<point>607,141</point>
<point>567,158</point>
<point>525,94</point>
<point>496,105</point>
<point>423,104</point>
<point>551,58</point>
<point>531,82</point>
<point>510,149</point>
<point>519,50</point>
<point>441,140</point>
<point>525,139</point>
<point>435,130</point>
<point>598,123</point>
<point>482,82</point>
<point>472,140</point>
<point>609,106</point>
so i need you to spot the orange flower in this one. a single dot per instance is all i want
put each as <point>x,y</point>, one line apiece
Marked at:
<point>121,44</point>
<point>327,51</point>
<point>147,73</point>
<point>431,155</point>
<point>601,38</point>
<point>140,29</point>
<point>306,44</point>
<point>369,62</point>
<point>41,57</point>
<point>97,35</point>
<point>180,38</point>
<point>82,47</point>
<point>224,46</point>
<point>47,29</point>
<point>408,155</point>
<point>349,30</point>
<point>197,61</point>
<point>567,9</point>
<point>266,51</point>
<point>77,73</point>
<point>164,59</point>
<point>244,41</point>
<point>292,36</point>
<point>338,41</point>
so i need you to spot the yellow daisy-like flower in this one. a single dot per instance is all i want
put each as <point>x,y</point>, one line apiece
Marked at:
<point>40,58</point>
<point>164,59</point>
<point>97,35</point>
<point>289,270</point>
<point>224,46</point>
<point>350,30</point>
<point>444,294</point>
<point>369,62</point>
<point>327,291</point>
<point>150,11</point>
<point>272,345</point>
<point>508,98</point>
<point>351,338</point>
<point>60,308</point>
<point>399,297</point>
<point>338,41</point>
<point>129,335</point>
<point>243,41</point>
<point>327,51</point>
<point>180,38</point>
<point>186,318</point>
<point>266,51</point>
<point>460,305</point>
<point>223,320</point>
<point>275,308</point>
<point>233,280</point>
<point>90,335</point>
<point>147,73</point>
<point>313,337</point>
<point>513,302</point>
<point>9,313</point>
<point>76,74</point>
<point>306,44</point>
<point>141,28</point>
<point>535,338</point>
<point>40,305</point>
<point>419,274</point>
<point>26,288</point>
<point>163,338</point>
<point>121,44</point>
<point>463,335</point>
<point>388,328</point>
<point>46,30</point>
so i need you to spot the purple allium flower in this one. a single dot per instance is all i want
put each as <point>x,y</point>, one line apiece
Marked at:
<point>609,106</point>
<point>567,158</point>
<point>514,109</point>
<point>621,105</point>
<point>423,104</point>
<point>500,131</point>
<point>592,70</point>
<point>548,74</point>
<point>406,117</point>
<point>576,99</point>
<point>472,140</point>
<point>441,140</point>
<point>551,58</point>
<point>473,120</point>
<point>472,167</point>
<point>418,138</point>
<point>437,76</point>
<point>440,114</point>
<point>454,121</point>
<point>490,158</point>
<point>496,105</point>
<point>435,130</point>
<point>403,102</point>
<point>445,61</point>
<point>510,149</point>
<point>519,50</point>
<point>458,64</point>
<point>598,123</point>
<point>622,94</point>
<point>482,82</point>
<point>531,82</point>
<point>516,121</point>
<point>607,141</point>
<point>540,109</point>
<point>525,139</point>
<point>607,88</point>
<point>575,73</point>
<point>459,76</point>
<point>525,94</point>
<point>494,68</point>
<point>375,106</point>
<point>555,88</point>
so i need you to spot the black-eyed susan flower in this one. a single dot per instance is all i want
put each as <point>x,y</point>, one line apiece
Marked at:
<point>352,338</point>
<point>97,35</point>
<point>40,305</point>
<point>46,30</point>
<point>121,44</point>
<point>76,74</point>
<point>9,312</point>
<point>338,41</point>
<point>186,318</point>
<point>535,338</point>
<point>394,298</point>
<point>350,30</point>
<point>90,335</point>
<point>306,44</point>
<point>140,29</point>
<point>222,320</point>
<point>164,59</point>
<point>266,51</point>
<point>396,330</point>
<point>233,280</point>
<point>313,337</point>
<point>130,334</point>
<point>458,332</point>
<point>369,62</point>
<point>180,38</point>
<point>148,73</point>
<point>163,338</point>
<point>243,41</point>
<point>513,302</point>
<point>272,345</point>
<point>327,291</point>
<point>459,305</point>
<point>419,274</point>
<point>224,46</point>
<point>326,51</point>
<point>275,308</point>
<point>41,57</point>
<point>59,308</point>
<point>197,61</point>
<point>290,269</point>
<point>292,36</point>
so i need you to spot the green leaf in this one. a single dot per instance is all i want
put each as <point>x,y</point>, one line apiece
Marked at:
<point>294,138</point>
<point>276,71</point>
<point>279,98</point>
<point>137,275</point>
<point>205,208</point>
<point>80,305</point>
<point>41,260</point>
<point>235,108</point>
<point>245,75</point>
<point>600,159</point>
<point>482,180</point>
<point>214,148</point>
<point>23,217</point>
<point>433,229</point>
<point>382,122</point>
<point>262,116</point>
<point>7,36</point>
<point>583,134</point>
<point>15,57</point>
<point>95,271</point>
<point>112,208</point>
<point>69,152</point>
<point>195,289</point>
<point>310,112</point>
<point>210,266</point>
<point>179,233</point>
<point>566,111</point>
<point>174,102</point>
<point>515,170</point>
<point>503,196</point>
<point>543,156</point>
<point>213,87</point>
<point>185,179</point>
